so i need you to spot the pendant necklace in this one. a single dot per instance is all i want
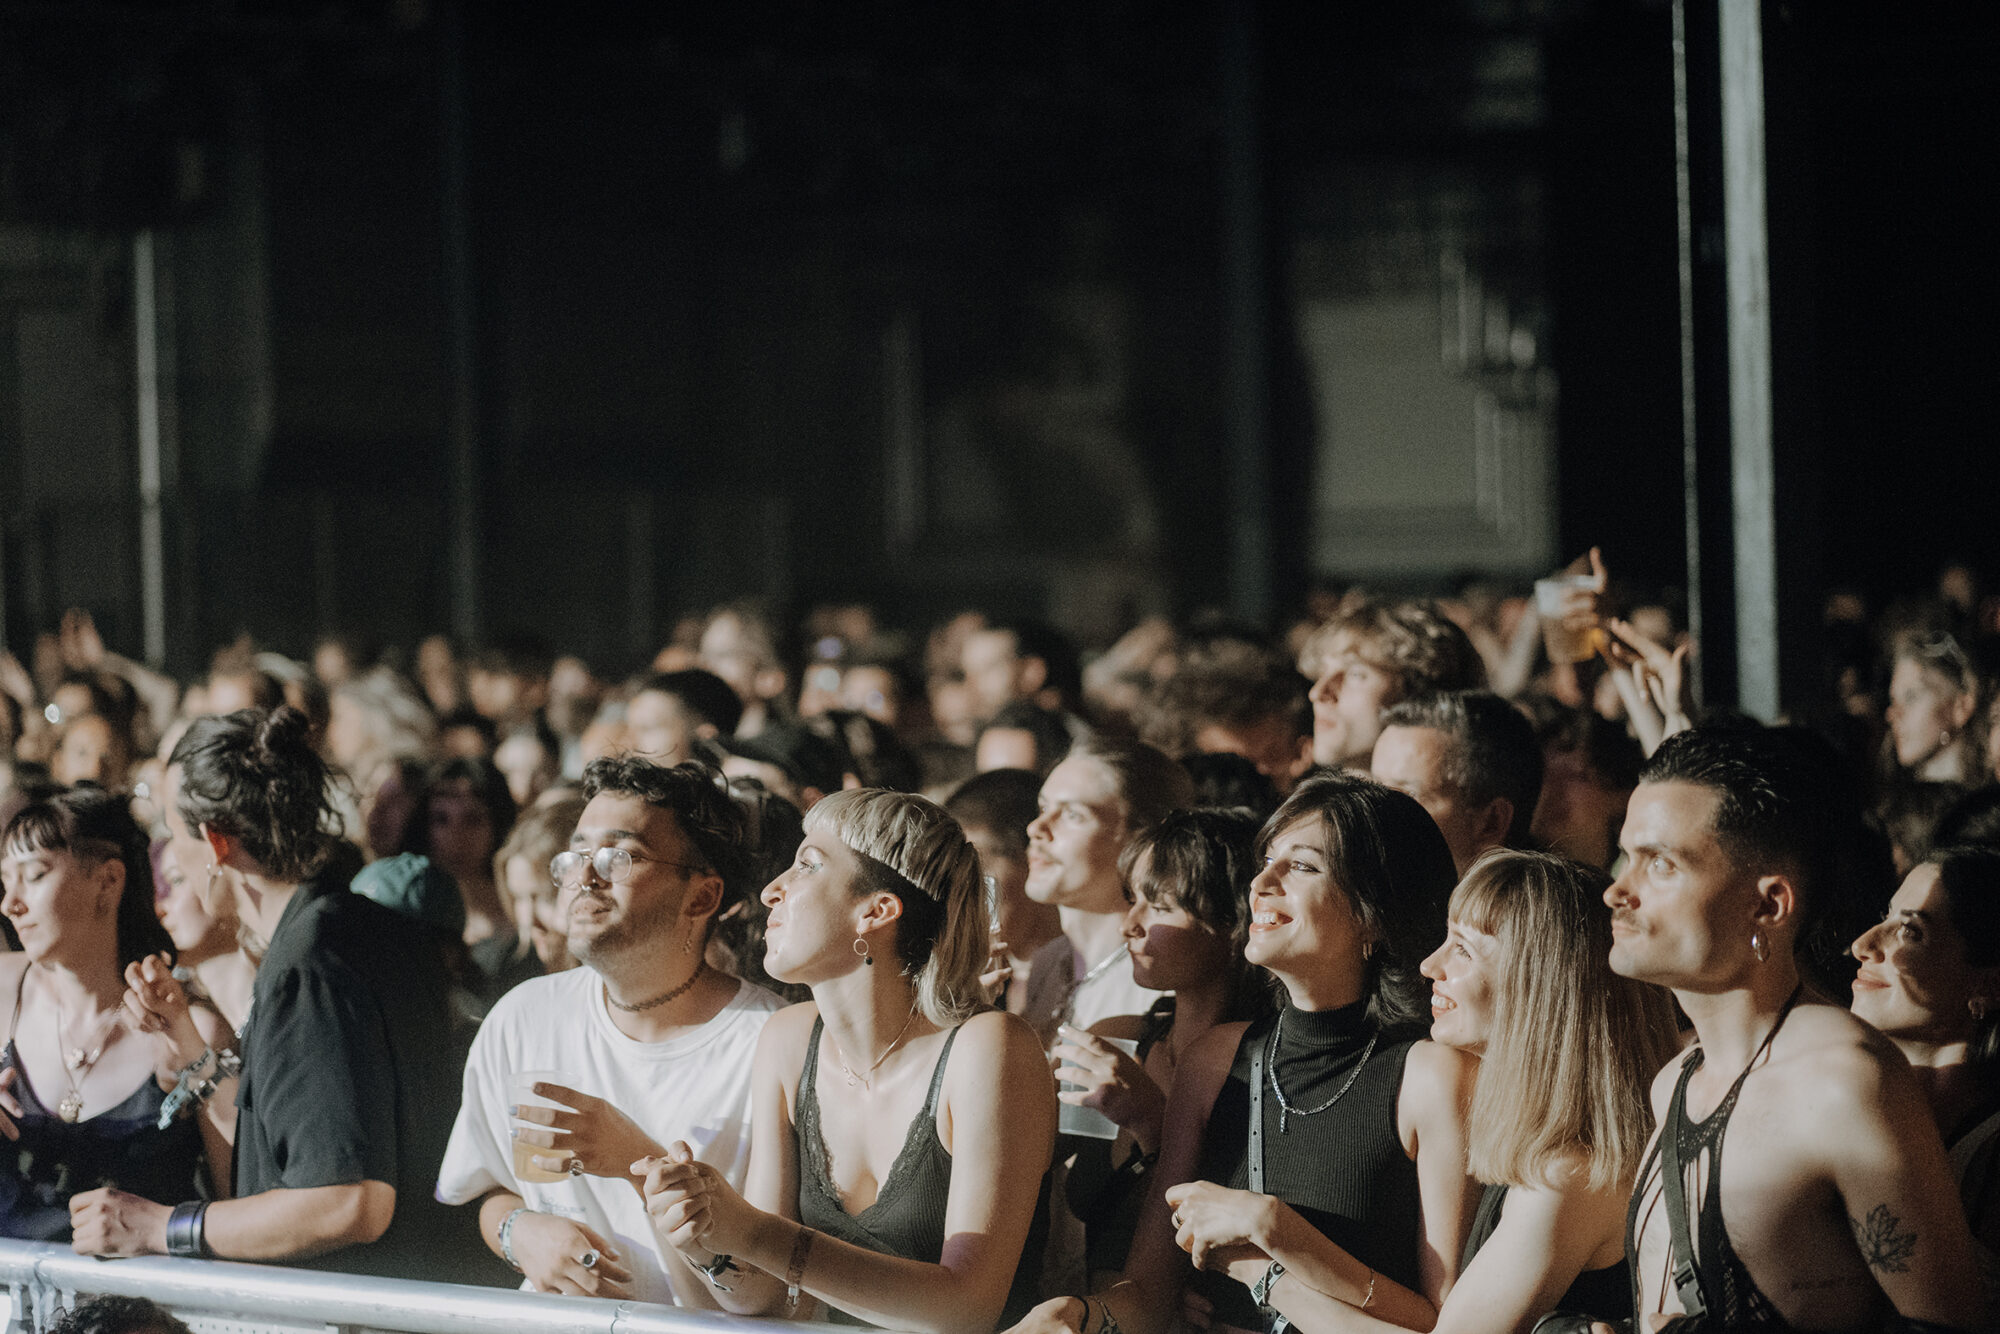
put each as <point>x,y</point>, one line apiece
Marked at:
<point>77,1063</point>
<point>854,1079</point>
<point>1097,970</point>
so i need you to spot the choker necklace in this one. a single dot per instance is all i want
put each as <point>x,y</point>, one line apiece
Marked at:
<point>1285,1109</point>
<point>663,997</point>
<point>852,1078</point>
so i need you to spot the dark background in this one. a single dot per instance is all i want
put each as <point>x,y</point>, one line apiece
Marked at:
<point>692,231</point>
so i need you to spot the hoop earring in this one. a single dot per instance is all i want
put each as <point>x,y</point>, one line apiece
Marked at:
<point>1944,738</point>
<point>1759,947</point>
<point>687,942</point>
<point>1978,1005</point>
<point>861,948</point>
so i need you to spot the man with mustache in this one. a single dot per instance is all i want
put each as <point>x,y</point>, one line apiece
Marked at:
<point>1797,1180</point>
<point>652,1044</point>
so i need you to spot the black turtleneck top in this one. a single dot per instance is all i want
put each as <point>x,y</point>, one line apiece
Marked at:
<point>1344,1170</point>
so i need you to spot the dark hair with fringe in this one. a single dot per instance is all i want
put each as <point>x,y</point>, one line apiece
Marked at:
<point>88,822</point>
<point>1970,879</point>
<point>254,776</point>
<point>1201,861</point>
<point>1386,855</point>
<point>489,788</point>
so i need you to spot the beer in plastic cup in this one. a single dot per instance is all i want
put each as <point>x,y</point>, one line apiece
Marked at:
<point>521,1091</point>
<point>1565,643</point>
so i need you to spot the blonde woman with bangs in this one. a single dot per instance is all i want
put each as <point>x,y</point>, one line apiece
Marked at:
<point>1567,1050</point>
<point>891,1178</point>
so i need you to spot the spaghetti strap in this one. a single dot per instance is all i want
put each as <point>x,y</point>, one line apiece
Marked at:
<point>937,1075</point>
<point>20,991</point>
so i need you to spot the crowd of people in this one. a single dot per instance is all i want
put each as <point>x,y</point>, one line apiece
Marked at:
<point>1419,965</point>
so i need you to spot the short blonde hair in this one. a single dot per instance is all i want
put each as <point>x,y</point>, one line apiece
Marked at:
<point>1574,1046</point>
<point>911,847</point>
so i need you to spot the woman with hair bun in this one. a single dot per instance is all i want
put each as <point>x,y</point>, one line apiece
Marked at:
<point>892,1178</point>
<point>348,1085</point>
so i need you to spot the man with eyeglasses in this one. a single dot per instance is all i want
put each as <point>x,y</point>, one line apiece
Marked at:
<point>644,1045</point>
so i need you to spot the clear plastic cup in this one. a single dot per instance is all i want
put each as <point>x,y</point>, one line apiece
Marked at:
<point>1088,1121</point>
<point>521,1093</point>
<point>1566,643</point>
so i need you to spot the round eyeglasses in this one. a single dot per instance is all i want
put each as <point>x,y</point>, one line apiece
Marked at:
<point>611,864</point>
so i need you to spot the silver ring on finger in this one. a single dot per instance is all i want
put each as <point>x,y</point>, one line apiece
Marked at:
<point>576,1170</point>
<point>588,1259</point>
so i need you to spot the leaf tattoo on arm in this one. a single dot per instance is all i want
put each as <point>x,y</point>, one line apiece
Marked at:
<point>1882,1246</point>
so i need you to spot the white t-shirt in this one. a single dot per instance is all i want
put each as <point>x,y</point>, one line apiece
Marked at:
<point>694,1088</point>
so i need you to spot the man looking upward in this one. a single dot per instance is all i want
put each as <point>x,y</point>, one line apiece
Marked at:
<point>1797,1180</point>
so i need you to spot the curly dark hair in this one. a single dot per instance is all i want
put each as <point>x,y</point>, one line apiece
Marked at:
<point>697,796</point>
<point>255,776</point>
<point>118,1315</point>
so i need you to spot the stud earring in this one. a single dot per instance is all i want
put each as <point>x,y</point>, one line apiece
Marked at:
<point>1759,947</point>
<point>861,948</point>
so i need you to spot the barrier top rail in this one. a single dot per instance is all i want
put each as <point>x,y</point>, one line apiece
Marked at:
<point>37,1272</point>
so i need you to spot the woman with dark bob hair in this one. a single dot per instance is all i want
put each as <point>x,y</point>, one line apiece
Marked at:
<point>1930,981</point>
<point>1316,1158</point>
<point>1187,877</point>
<point>88,1068</point>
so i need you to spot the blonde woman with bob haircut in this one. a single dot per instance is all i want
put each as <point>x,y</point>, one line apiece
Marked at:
<point>891,1178</point>
<point>1567,1050</point>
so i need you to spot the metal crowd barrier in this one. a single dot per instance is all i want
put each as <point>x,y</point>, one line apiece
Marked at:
<point>221,1297</point>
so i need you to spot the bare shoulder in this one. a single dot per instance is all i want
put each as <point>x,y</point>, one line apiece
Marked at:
<point>994,1039</point>
<point>782,1042</point>
<point>1437,1078</point>
<point>1826,1059</point>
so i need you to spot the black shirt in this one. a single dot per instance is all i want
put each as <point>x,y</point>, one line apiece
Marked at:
<point>1345,1170</point>
<point>348,1075</point>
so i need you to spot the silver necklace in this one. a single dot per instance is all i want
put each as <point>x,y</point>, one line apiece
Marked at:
<point>1285,1108</point>
<point>1096,971</point>
<point>852,1078</point>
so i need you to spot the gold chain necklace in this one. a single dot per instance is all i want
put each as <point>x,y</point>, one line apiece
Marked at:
<point>77,1062</point>
<point>852,1078</point>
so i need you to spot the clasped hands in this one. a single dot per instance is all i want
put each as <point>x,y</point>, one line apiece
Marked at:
<point>693,1208</point>
<point>1225,1230</point>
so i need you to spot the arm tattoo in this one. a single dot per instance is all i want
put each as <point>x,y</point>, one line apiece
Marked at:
<point>1882,1246</point>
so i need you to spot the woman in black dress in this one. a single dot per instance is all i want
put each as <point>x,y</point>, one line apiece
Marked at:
<point>1315,1160</point>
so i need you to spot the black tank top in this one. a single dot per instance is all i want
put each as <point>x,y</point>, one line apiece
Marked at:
<point>1345,1171</point>
<point>122,1146</point>
<point>907,1217</point>
<point>1732,1297</point>
<point>1107,1198</point>
<point>1605,1293</point>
